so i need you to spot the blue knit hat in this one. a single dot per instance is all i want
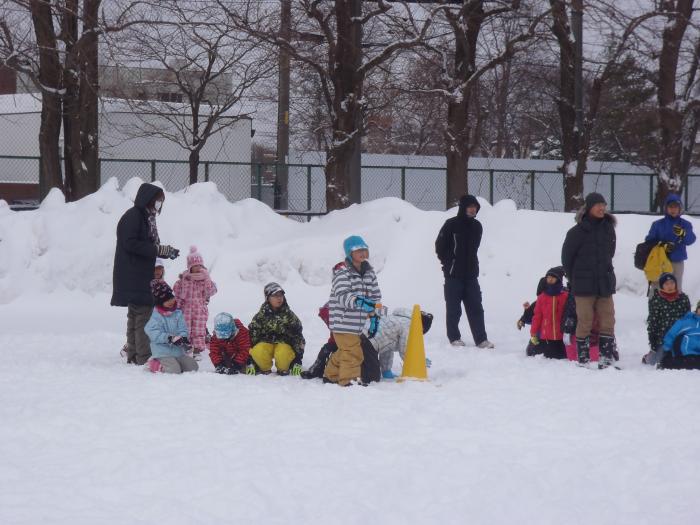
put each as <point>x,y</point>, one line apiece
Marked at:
<point>666,277</point>
<point>224,326</point>
<point>352,243</point>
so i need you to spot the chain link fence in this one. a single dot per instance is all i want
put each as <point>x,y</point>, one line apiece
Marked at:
<point>424,187</point>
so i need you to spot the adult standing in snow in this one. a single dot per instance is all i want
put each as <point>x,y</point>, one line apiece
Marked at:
<point>675,233</point>
<point>587,256</point>
<point>456,246</point>
<point>138,245</point>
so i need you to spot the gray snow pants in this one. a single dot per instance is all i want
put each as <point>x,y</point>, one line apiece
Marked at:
<point>137,342</point>
<point>178,365</point>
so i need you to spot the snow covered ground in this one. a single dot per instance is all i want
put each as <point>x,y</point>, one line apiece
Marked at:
<point>493,438</point>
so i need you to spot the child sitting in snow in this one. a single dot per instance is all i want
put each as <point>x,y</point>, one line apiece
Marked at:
<point>192,291</point>
<point>666,306</point>
<point>681,346</point>
<point>546,330</point>
<point>392,335</point>
<point>370,363</point>
<point>229,348</point>
<point>276,335</point>
<point>168,334</point>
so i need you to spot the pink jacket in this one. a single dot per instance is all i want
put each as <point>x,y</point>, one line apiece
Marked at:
<point>192,294</point>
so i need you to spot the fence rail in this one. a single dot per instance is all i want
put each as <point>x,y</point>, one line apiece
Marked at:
<point>425,187</point>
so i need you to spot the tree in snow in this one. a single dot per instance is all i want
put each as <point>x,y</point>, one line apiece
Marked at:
<point>208,69</point>
<point>327,38</point>
<point>58,51</point>
<point>463,64</point>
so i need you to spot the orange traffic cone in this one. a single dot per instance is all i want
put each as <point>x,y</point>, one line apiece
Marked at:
<point>414,360</point>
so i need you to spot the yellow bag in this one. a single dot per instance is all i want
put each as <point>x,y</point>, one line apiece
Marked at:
<point>657,263</point>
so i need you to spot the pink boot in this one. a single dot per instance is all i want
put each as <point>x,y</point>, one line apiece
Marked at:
<point>154,365</point>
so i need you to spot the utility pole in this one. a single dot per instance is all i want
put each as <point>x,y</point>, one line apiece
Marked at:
<point>577,29</point>
<point>281,201</point>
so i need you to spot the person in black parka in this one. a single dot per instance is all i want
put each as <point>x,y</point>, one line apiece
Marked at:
<point>137,247</point>
<point>456,246</point>
<point>587,256</point>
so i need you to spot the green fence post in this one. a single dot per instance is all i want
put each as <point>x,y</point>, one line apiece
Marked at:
<point>153,171</point>
<point>612,192</point>
<point>403,182</point>
<point>206,171</point>
<point>651,193</point>
<point>532,190</point>
<point>491,186</point>
<point>259,180</point>
<point>308,188</point>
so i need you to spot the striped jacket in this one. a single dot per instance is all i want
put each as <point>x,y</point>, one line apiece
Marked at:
<point>348,284</point>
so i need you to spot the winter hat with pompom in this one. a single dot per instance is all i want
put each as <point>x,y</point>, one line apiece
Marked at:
<point>194,258</point>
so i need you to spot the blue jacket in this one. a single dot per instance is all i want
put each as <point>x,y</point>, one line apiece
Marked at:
<point>687,328</point>
<point>662,231</point>
<point>159,327</point>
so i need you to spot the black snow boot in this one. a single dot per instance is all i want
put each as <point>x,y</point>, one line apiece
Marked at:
<point>607,351</point>
<point>316,370</point>
<point>583,347</point>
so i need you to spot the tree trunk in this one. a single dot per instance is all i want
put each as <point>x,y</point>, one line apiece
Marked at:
<point>670,176</point>
<point>194,165</point>
<point>71,107</point>
<point>343,164</point>
<point>571,172</point>
<point>89,89</point>
<point>457,141</point>
<point>50,80</point>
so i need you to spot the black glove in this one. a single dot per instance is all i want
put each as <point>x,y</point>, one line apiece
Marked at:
<point>165,251</point>
<point>179,341</point>
<point>227,370</point>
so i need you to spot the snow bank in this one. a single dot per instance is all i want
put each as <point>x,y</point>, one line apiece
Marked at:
<point>245,244</point>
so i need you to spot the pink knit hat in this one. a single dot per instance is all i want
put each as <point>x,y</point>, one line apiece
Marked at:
<point>194,258</point>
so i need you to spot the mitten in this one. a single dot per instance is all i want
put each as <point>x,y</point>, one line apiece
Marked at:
<point>295,370</point>
<point>679,231</point>
<point>520,324</point>
<point>250,369</point>
<point>364,304</point>
<point>373,326</point>
<point>175,340</point>
<point>228,370</point>
<point>166,251</point>
<point>535,340</point>
<point>668,246</point>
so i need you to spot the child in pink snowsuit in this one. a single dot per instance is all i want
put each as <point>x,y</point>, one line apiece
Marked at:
<point>192,291</point>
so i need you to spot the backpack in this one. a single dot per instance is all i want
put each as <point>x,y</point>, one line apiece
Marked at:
<point>657,263</point>
<point>641,254</point>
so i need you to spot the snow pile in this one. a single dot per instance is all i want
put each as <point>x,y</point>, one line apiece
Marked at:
<point>494,437</point>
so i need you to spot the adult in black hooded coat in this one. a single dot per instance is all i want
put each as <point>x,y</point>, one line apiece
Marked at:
<point>587,257</point>
<point>456,246</point>
<point>138,245</point>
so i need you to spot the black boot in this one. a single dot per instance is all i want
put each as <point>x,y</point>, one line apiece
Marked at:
<point>583,347</point>
<point>607,352</point>
<point>316,370</point>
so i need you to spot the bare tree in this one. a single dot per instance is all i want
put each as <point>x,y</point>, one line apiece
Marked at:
<point>59,54</point>
<point>463,66</point>
<point>327,37</point>
<point>204,70</point>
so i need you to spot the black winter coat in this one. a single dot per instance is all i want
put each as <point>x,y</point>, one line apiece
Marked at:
<point>457,245</point>
<point>135,254</point>
<point>587,256</point>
